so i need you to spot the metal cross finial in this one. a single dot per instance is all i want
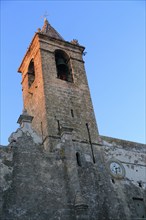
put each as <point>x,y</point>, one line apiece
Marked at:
<point>45,15</point>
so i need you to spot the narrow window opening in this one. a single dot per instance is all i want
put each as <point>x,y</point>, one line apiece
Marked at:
<point>78,159</point>
<point>31,73</point>
<point>140,184</point>
<point>58,123</point>
<point>72,113</point>
<point>113,181</point>
<point>42,130</point>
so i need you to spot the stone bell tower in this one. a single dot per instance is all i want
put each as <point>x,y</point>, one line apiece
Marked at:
<point>55,87</point>
<point>56,165</point>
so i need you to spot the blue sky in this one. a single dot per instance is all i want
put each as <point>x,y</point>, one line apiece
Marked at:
<point>113,33</point>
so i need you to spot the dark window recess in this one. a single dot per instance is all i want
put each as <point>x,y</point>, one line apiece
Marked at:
<point>63,66</point>
<point>113,181</point>
<point>31,73</point>
<point>139,208</point>
<point>58,124</point>
<point>78,159</point>
<point>72,113</point>
<point>140,184</point>
<point>42,129</point>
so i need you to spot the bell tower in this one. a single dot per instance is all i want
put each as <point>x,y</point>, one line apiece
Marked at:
<point>55,87</point>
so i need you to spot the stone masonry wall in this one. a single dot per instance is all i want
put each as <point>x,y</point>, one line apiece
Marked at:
<point>62,96</point>
<point>59,185</point>
<point>50,100</point>
<point>33,97</point>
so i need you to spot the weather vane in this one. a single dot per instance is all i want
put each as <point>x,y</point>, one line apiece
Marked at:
<point>45,15</point>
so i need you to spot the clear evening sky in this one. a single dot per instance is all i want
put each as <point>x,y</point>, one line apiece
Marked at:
<point>113,33</point>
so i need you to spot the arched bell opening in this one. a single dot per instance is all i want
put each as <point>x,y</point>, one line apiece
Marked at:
<point>31,73</point>
<point>63,66</point>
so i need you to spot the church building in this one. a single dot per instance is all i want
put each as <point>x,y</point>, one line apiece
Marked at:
<point>57,166</point>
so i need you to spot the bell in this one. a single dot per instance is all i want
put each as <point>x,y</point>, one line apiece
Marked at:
<point>61,61</point>
<point>62,69</point>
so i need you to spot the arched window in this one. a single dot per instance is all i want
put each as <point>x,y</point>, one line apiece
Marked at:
<point>63,66</point>
<point>31,73</point>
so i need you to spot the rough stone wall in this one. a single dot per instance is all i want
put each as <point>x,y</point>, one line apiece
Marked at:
<point>132,188</point>
<point>33,97</point>
<point>58,185</point>
<point>50,100</point>
<point>6,169</point>
<point>132,155</point>
<point>38,189</point>
<point>62,96</point>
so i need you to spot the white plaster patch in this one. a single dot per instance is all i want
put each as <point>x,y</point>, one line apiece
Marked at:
<point>136,173</point>
<point>107,144</point>
<point>27,129</point>
<point>133,161</point>
<point>88,158</point>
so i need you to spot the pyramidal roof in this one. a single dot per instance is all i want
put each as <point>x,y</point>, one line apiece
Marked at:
<point>48,30</point>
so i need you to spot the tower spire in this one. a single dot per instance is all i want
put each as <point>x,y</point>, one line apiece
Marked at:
<point>50,31</point>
